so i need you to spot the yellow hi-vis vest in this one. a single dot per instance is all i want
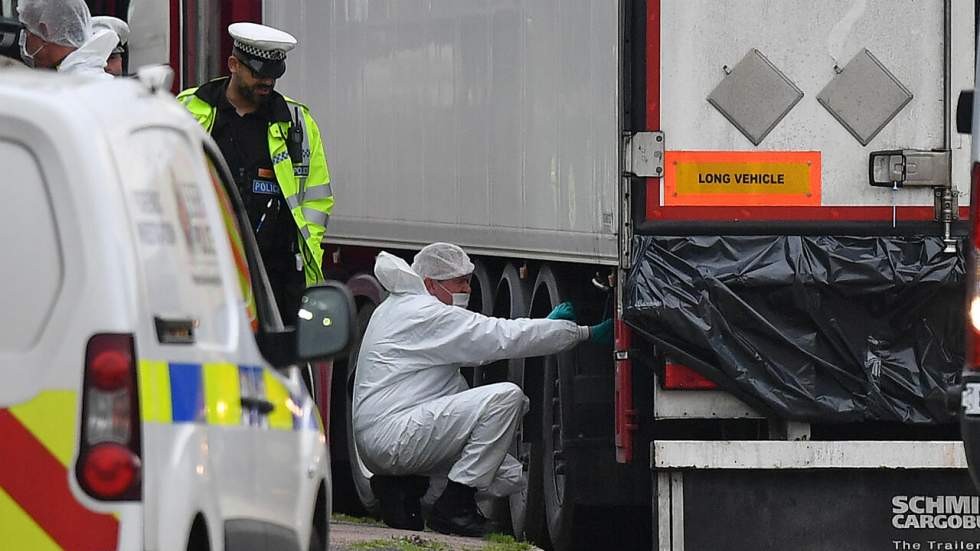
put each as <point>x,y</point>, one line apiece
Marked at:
<point>305,186</point>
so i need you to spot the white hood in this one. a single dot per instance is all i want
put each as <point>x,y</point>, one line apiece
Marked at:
<point>397,276</point>
<point>90,58</point>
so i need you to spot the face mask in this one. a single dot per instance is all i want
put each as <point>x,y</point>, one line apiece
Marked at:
<point>459,299</point>
<point>26,56</point>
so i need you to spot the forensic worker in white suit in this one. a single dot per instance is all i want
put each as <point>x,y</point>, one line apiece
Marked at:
<point>58,35</point>
<point>415,416</point>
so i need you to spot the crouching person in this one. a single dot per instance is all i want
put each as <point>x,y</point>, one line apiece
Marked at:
<point>414,415</point>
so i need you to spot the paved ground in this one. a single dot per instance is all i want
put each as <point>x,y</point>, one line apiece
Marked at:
<point>343,534</point>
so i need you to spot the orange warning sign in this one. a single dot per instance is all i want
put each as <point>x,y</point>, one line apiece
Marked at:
<point>742,178</point>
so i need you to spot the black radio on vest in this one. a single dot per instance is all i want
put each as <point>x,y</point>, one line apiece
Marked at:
<point>294,144</point>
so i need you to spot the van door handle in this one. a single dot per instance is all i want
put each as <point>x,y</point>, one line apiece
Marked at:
<point>261,405</point>
<point>174,331</point>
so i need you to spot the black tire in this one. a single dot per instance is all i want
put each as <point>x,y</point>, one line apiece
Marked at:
<point>526,509</point>
<point>320,525</point>
<point>575,519</point>
<point>345,499</point>
<point>315,543</point>
<point>559,490</point>
<point>482,286</point>
<point>346,480</point>
<point>198,540</point>
<point>358,472</point>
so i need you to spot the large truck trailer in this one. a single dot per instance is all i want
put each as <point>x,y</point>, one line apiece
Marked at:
<point>767,195</point>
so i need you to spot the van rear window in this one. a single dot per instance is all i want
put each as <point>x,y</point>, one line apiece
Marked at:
<point>31,258</point>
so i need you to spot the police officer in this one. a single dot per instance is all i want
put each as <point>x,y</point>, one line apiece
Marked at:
<point>273,148</point>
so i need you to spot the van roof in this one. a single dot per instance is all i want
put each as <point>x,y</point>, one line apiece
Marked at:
<point>122,103</point>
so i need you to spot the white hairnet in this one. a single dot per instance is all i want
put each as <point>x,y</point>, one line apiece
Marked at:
<point>442,261</point>
<point>65,22</point>
<point>114,24</point>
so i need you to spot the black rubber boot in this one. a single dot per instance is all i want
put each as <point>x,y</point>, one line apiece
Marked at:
<point>455,512</point>
<point>399,497</point>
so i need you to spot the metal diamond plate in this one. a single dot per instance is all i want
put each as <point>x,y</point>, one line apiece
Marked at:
<point>755,96</point>
<point>864,97</point>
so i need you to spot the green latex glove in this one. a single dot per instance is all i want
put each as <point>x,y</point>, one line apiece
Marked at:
<point>602,334</point>
<point>564,311</point>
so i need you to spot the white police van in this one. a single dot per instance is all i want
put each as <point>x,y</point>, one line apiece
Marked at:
<point>145,396</point>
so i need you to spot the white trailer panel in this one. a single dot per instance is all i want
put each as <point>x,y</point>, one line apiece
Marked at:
<point>806,40</point>
<point>494,125</point>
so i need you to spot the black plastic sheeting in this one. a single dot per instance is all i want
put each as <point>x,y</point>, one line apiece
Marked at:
<point>821,328</point>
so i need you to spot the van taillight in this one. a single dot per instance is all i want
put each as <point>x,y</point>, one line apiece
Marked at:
<point>681,377</point>
<point>109,470</point>
<point>109,462</point>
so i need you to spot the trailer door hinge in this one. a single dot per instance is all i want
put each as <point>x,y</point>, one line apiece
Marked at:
<point>970,399</point>
<point>643,154</point>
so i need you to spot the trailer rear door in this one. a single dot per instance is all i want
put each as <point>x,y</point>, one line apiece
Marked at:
<point>771,109</point>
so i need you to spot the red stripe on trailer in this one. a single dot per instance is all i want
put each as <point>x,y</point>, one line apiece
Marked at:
<point>190,29</point>
<point>625,413</point>
<point>825,213</point>
<point>625,421</point>
<point>652,60</point>
<point>652,116</point>
<point>38,483</point>
<point>175,45</point>
<point>236,11</point>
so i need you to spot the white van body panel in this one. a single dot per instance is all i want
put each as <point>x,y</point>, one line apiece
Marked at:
<point>100,276</point>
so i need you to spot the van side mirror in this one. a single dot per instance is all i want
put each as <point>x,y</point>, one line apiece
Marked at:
<point>325,325</point>
<point>10,30</point>
<point>964,112</point>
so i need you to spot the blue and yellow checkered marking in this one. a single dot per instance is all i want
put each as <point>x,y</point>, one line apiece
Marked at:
<point>211,393</point>
<point>186,393</point>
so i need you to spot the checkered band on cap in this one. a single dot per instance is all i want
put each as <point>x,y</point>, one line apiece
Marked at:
<point>274,55</point>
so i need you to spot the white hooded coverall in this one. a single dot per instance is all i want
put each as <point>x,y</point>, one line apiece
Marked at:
<point>413,412</point>
<point>90,58</point>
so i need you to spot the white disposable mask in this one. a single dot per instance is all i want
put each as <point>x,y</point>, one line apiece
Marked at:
<point>459,299</point>
<point>26,56</point>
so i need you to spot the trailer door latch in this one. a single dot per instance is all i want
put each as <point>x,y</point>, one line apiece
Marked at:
<point>910,168</point>
<point>913,168</point>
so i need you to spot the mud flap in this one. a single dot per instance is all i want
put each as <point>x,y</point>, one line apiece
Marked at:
<point>859,509</point>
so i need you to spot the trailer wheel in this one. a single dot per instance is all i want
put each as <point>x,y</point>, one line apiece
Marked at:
<point>481,300</point>
<point>559,492</point>
<point>344,494</point>
<point>525,509</point>
<point>360,475</point>
<point>351,492</point>
<point>558,371</point>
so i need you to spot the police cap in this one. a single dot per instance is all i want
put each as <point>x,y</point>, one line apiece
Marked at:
<point>263,49</point>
